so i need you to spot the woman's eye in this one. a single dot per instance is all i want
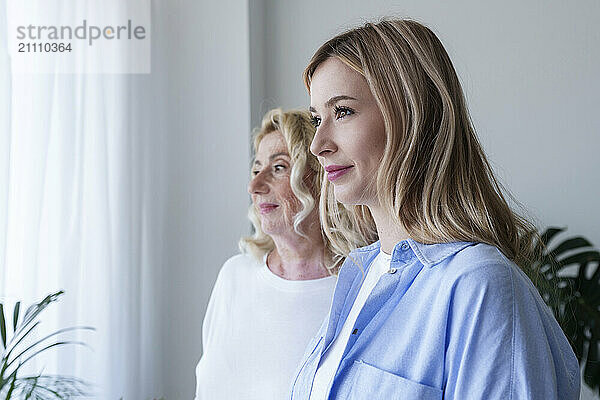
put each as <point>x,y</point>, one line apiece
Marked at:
<point>278,168</point>
<point>341,112</point>
<point>254,173</point>
<point>316,121</point>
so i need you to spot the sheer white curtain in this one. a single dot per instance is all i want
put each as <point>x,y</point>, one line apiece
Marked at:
<point>80,209</point>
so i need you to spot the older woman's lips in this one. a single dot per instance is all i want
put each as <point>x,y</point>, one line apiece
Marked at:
<point>266,208</point>
<point>334,172</point>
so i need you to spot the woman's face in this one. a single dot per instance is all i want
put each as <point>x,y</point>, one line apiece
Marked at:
<point>270,187</point>
<point>350,138</point>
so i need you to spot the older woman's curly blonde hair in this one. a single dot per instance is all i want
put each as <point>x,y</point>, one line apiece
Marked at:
<point>305,180</point>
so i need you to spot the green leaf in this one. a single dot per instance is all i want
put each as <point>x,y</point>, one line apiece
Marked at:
<point>60,386</point>
<point>58,332</point>
<point>35,389</point>
<point>2,325</point>
<point>574,300</point>
<point>596,276</point>
<point>592,295</point>
<point>12,386</point>
<point>580,258</point>
<point>570,244</point>
<point>16,315</point>
<point>549,234</point>
<point>41,387</point>
<point>592,366</point>
<point>34,310</point>
<point>29,391</point>
<point>42,350</point>
<point>12,347</point>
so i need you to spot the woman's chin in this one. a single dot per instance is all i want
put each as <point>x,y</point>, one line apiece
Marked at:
<point>272,228</point>
<point>345,196</point>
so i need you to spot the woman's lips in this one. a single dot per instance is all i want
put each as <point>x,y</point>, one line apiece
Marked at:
<point>266,208</point>
<point>334,172</point>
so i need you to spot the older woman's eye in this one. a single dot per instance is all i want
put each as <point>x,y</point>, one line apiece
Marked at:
<point>316,121</point>
<point>279,167</point>
<point>341,112</point>
<point>254,173</point>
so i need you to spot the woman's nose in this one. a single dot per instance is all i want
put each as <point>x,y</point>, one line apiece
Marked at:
<point>322,143</point>
<point>257,184</point>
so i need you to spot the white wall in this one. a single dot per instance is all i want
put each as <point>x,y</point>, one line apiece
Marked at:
<point>208,111</point>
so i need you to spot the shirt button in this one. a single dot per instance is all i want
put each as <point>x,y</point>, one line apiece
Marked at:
<point>404,246</point>
<point>392,271</point>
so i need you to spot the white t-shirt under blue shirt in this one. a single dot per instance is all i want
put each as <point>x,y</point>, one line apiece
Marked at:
<point>332,357</point>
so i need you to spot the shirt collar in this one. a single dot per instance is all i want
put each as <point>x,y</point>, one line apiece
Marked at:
<point>428,254</point>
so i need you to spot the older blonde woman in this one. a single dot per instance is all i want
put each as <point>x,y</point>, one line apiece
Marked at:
<point>270,300</point>
<point>437,306</point>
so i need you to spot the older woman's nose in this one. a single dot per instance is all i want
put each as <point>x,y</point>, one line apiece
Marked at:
<point>257,184</point>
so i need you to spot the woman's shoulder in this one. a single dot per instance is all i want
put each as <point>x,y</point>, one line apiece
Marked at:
<point>238,266</point>
<point>483,268</point>
<point>237,272</point>
<point>480,259</point>
<point>481,280</point>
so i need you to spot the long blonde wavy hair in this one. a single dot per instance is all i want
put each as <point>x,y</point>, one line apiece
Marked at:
<point>305,180</point>
<point>434,176</point>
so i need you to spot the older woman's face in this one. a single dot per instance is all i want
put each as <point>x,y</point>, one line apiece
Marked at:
<point>270,185</point>
<point>350,138</point>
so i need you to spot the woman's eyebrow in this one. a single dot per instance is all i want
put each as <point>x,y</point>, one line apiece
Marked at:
<point>272,157</point>
<point>332,101</point>
<point>278,155</point>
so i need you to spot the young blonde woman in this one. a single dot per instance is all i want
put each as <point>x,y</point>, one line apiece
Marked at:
<point>270,300</point>
<point>436,307</point>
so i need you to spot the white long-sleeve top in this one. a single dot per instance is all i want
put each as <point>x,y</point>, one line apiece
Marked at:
<point>256,329</point>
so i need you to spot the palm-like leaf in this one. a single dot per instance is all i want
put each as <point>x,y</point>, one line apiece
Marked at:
<point>16,315</point>
<point>50,387</point>
<point>574,298</point>
<point>17,348</point>
<point>2,326</point>
<point>34,310</point>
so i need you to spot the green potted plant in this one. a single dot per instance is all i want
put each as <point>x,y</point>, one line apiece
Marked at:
<point>567,275</point>
<point>17,350</point>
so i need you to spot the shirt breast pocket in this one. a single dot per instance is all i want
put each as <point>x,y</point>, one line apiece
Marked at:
<point>370,382</point>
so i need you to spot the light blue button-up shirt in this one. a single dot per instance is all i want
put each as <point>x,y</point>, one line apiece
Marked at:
<point>452,321</point>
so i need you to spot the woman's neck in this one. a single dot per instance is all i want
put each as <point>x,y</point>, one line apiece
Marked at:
<point>389,230</point>
<point>297,259</point>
